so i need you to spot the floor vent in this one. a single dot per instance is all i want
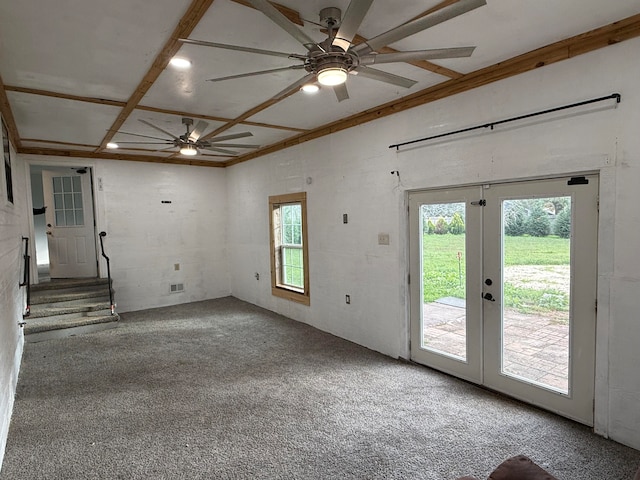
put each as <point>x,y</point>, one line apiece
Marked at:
<point>176,287</point>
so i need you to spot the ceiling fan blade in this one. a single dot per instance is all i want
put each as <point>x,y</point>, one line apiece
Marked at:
<point>408,29</point>
<point>294,87</point>
<point>432,54</point>
<point>236,145</point>
<point>386,77</point>
<point>159,129</point>
<point>149,143</point>
<point>253,74</point>
<point>236,48</point>
<point>145,136</point>
<point>198,130</point>
<point>351,21</point>
<point>283,22</point>
<point>221,150</point>
<point>341,92</point>
<point>232,136</point>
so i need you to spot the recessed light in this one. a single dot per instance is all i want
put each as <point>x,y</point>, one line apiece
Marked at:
<point>180,62</point>
<point>112,145</point>
<point>310,88</point>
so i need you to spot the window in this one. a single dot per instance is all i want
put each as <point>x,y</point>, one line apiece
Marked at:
<point>7,162</point>
<point>67,201</point>
<point>289,255</point>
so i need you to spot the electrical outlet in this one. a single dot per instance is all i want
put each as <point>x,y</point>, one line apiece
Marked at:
<point>347,299</point>
<point>383,239</point>
<point>176,266</point>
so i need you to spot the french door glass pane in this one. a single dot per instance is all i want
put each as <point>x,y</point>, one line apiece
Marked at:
<point>536,268</point>
<point>444,278</point>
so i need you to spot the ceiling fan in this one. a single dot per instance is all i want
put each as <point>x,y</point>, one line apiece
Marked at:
<point>190,143</point>
<point>330,61</point>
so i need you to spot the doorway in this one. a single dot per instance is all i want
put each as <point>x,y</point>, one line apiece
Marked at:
<point>505,288</point>
<point>64,227</point>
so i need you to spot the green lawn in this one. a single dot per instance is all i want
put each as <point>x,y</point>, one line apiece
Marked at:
<point>442,275</point>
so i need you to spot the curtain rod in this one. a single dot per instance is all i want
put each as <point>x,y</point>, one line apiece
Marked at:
<point>490,125</point>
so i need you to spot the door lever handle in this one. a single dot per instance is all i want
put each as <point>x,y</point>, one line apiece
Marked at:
<point>488,296</point>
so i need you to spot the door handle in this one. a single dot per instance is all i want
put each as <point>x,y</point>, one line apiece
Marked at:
<point>488,296</point>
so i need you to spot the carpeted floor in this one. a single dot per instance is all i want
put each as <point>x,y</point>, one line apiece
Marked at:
<point>223,389</point>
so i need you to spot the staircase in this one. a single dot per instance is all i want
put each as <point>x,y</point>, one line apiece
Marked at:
<point>66,307</point>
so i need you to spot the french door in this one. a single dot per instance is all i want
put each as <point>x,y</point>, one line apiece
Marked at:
<point>503,288</point>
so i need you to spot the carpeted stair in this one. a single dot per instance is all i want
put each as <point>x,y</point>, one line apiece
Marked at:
<point>65,307</point>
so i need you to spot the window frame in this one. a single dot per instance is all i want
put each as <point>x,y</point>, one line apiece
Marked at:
<point>279,289</point>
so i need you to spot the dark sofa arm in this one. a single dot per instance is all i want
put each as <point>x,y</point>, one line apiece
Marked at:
<point>520,468</point>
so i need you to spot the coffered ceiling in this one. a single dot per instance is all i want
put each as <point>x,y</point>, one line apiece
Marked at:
<point>75,74</point>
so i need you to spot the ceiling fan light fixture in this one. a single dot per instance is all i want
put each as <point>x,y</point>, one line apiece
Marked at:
<point>310,88</point>
<point>112,145</point>
<point>188,150</point>
<point>332,76</point>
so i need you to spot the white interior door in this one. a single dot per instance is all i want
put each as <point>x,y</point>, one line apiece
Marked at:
<point>528,306</point>
<point>70,225</point>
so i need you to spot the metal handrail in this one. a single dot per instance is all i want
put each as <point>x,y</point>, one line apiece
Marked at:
<point>113,306</point>
<point>26,275</point>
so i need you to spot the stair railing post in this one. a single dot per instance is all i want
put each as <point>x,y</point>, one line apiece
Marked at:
<point>113,306</point>
<point>26,275</point>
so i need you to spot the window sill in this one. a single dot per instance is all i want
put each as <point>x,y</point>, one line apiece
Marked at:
<point>294,296</point>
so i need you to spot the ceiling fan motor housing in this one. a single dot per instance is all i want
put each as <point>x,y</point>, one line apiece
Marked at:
<point>332,57</point>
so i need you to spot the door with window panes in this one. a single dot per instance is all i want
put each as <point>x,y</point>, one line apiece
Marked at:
<point>70,227</point>
<point>503,288</point>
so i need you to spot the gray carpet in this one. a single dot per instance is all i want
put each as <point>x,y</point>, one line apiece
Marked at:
<point>224,389</point>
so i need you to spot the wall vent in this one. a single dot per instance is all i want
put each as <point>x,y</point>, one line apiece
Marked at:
<point>176,288</point>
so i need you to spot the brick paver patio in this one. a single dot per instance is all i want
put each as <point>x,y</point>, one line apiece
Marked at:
<point>535,347</point>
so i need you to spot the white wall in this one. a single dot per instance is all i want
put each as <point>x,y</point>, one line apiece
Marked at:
<point>13,226</point>
<point>146,238</point>
<point>350,173</point>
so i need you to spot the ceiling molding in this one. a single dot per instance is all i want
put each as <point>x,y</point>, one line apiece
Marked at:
<point>564,49</point>
<point>7,116</point>
<point>116,103</point>
<point>65,96</point>
<point>117,156</point>
<point>56,142</point>
<point>249,113</point>
<point>185,26</point>
<point>221,119</point>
